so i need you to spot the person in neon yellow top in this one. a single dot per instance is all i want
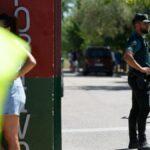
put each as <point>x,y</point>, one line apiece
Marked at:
<point>16,96</point>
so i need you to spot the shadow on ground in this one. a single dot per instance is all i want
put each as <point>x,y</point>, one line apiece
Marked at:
<point>107,88</point>
<point>122,149</point>
<point>80,74</point>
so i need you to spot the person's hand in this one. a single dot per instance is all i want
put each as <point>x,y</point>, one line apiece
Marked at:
<point>145,70</point>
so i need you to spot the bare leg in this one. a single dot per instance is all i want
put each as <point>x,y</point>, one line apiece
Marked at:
<point>1,148</point>
<point>10,130</point>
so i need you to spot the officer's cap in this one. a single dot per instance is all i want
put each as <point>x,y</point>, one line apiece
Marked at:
<point>140,17</point>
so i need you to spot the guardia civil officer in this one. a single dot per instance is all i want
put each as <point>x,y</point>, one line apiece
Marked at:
<point>137,57</point>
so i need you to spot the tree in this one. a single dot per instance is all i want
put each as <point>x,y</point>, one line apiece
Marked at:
<point>104,22</point>
<point>71,34</point>
<point>66,6</point>
<point>101,22</point>
<point>72,38</point>
<point>143,2</point>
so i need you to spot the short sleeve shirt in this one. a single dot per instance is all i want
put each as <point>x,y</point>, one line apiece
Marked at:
<point>140,49</point>
<point>134,46</point>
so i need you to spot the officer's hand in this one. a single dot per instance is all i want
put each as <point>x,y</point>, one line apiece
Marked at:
<point>146,70</point>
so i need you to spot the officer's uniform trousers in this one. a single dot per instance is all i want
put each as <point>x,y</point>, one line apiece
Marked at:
<point>140,86</point>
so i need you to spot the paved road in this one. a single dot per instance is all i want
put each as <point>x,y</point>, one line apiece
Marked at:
<point>95,113</point>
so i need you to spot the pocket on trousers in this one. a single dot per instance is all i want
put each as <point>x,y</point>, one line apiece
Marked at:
<point>132,83</point>
<point>141,83</point>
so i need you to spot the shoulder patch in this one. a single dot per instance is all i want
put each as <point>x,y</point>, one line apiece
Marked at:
<point>133,43</point>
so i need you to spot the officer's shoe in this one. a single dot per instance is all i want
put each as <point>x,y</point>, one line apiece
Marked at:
<point>133,144</point>
<point>144,145</point>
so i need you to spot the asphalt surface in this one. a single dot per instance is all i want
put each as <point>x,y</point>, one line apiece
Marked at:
<point>95,113</point>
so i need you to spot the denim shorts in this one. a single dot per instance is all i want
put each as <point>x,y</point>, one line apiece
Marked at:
<point>15,100</point>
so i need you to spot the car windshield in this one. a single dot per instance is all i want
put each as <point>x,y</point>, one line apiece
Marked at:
<point>98,53</point>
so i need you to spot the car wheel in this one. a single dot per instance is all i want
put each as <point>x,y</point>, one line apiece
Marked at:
<point>110,74</point>
<point>85,73</point>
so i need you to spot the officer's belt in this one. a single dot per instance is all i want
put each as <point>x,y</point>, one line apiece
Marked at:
<point>135,73</point>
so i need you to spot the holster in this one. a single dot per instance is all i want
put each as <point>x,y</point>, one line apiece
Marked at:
<point>142,80</point>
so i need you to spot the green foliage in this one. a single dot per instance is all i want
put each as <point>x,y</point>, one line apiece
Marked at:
<point>72,38</point>
<point>66,6</point>
<point>101,22</point>
<point>134,2</point>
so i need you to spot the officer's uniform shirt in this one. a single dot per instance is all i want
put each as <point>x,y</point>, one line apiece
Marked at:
<point>140,49</point>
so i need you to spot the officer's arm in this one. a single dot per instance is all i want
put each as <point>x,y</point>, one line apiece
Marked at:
<point>128,57</point>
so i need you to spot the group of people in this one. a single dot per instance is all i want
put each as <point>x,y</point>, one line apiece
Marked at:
<point>136,56</point>
<point>138,59</point>
<point>73,57</point>
<point>15,100</point>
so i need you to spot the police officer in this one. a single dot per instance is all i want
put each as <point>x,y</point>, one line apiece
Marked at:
<point>137,57</point>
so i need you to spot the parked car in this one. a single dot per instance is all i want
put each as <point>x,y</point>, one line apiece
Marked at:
<point>98,60</point>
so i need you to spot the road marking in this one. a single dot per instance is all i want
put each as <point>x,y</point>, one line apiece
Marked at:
<point>91,130</point>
